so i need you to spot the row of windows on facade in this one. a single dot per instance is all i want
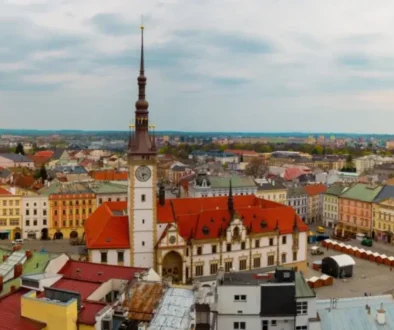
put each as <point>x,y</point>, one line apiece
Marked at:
<point>281,196</point>
<point>234,194</point>
<point>214,247</point>
<point>330,216</point>
<point>382,226</point>
<point>35,222</point>
<point>10,202</point>
<point>12,222</point>
<point>70,223</point>
<point>330,208</point>
<point>353,211</point>
<point>242,264</point>
<point>297,202</point>
<point>302,309</point>
<point>363,222</point>
<point>110,199</point>
<point>71,203</point>
<point>71,212</point>
<point>364,205</point>
<point>383,216</point>
<point>104,257</point>
<point>6,212</point>
<point>35,211</point>
<point>330,199</point>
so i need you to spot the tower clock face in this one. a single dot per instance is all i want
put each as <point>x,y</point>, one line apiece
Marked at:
<point>143,173</point>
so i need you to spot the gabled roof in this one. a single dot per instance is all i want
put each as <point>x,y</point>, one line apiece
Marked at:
<point>97,273</point>
<point>315,189</point>
<point>336,190</point>
<point>16,158</point>
<point>108,227</point>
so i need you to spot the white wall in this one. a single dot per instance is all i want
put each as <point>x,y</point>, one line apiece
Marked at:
<point>107,287</point>
<point>227,304</point>
<point>56,264</point>
<point>40,205</point>
<point>143,239</point>
<point>112,256</point>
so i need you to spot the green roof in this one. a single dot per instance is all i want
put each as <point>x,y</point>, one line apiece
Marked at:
<point>302,288</point>
<point>335,190</point>
<point>237,181</point>
<point>362,192</point>
<point>65,188</point>
<point>104,187</point>
<point>35,265</point>
<point>296,191</point>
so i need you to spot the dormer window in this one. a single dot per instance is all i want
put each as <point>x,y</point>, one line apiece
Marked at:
<point>263,224</point>
<point>205,230</point>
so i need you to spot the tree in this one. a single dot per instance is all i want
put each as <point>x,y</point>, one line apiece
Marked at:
<point>19,149</point>
<point>256,168</point>
<point>43,174</point>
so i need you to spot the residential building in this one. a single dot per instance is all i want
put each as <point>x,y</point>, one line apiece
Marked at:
<point>108,191</point>
<point>277,300</point>
<point>345,177</point>
<point>70,205</point>
<point>297,198</point>
<point>272,190</point>
<point>367,163</point>
<point>15,160</point>
<point>355,209</point>
<point>331,204</point>
<point>315,202</point>
<point>210,186</point>
<point>215,155</point>
<point>176,172</point>
<point>383,215</point>
<point>10,215</point>
<point>35,215</point>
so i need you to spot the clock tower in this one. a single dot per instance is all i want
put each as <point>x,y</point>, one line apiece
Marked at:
<point>142,180</point>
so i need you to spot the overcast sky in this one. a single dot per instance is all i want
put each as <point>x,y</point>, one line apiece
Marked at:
<point>212,65</point>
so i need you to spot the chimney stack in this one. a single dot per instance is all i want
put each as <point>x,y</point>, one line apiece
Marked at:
<point>381,315</point>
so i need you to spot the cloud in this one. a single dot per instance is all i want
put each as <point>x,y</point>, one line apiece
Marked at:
<point>112,24</point>
<point>61,60</point>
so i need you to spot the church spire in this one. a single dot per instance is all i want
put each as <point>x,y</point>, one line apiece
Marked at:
<point>142,144</point>
<point>230,201</point>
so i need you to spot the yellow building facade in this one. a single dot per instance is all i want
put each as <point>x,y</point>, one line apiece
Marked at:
<point>56,315</point>
<point>276,195</point>
<point>383,220</point>
<point>10,215</point>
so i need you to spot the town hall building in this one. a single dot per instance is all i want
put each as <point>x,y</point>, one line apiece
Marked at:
<point>189,237</point>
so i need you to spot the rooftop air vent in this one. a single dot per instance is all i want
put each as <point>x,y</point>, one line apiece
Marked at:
<point>108,239</point>
<point>263,224</point>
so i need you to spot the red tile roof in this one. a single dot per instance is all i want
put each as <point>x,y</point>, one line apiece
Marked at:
<point>242,152</point>
<point>4,192</point>
<point>191,215</point>
<point>97,273</point>
<point>87,314</point>
<point>315,189</point>
<point>24,181</point>
<point>109,175</point>
<point>44,153</point>
<point>10,313</point>
<point>107,227</point>
<point>292,173</point>
<point>39,160</point>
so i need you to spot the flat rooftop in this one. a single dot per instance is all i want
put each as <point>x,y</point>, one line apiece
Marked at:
<point>351,313</point>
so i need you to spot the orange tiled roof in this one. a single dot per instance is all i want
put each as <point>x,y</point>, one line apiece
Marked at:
<point>109,175</point>
<point>24,181</point>
<point>191,215</point>
<point>108,227</point>
<point>39,159</point>
<point>315,189</point>
<point>44,153</point>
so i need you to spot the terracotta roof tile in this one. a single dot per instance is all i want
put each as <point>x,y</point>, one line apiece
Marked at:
<point>108,227</point>
<point>98,273</point>
<point>44,153</point>
<point>315,189</point>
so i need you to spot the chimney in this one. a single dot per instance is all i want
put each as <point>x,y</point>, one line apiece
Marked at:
<point>162,195</point>
<point>381,315</point>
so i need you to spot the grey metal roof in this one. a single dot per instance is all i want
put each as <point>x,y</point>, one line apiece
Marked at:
<point>385,193</point>
<point>16,158</point>
<point>351,314</point>
<point>5,173</point>
<point>296,191</point>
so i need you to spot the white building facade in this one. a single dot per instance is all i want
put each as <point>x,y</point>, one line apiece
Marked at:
<point>35,217</point>
<point>240,303</point>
